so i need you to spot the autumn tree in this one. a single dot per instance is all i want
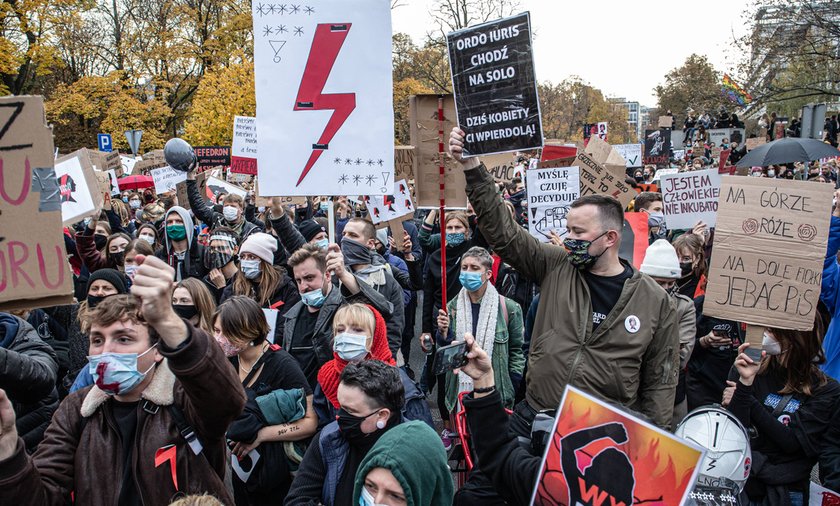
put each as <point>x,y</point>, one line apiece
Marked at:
<point>695,84</point>
<point>451,15</point>
<point>570,104</point>
<point>224,92</point>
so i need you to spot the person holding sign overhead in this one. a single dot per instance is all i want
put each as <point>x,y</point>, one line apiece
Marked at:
<point>589,299</point>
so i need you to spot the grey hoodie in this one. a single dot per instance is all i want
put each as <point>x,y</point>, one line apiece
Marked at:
<point>193,258</point>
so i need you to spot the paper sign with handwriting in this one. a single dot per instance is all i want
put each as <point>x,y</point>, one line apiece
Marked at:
<point>550,196</point>
<point>770,244</point>
<point>690,197</point>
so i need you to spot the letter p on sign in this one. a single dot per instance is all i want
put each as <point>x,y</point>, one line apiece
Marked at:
<point>104,141</point>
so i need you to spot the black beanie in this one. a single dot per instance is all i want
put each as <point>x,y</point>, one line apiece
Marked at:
<point>309,229</point>
<point>112,276</point>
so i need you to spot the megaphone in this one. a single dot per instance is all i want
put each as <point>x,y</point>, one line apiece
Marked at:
<point>180,155</point>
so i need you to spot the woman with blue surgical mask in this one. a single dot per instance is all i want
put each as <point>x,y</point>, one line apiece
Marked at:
<point>259,279</point>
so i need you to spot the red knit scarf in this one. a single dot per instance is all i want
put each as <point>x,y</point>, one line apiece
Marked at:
<point>331,371</point>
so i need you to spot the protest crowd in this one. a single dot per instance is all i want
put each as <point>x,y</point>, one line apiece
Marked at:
<point>220,346</point>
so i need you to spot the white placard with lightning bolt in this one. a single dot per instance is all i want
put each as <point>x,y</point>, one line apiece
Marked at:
<point>324,97</point>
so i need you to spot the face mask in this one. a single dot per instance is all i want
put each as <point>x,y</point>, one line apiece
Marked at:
<point>366,499</point>
<point>350,346</point>
<point>315,298</point>
<point>176,232</point>
<point>118,257</point>
<point>640,179</point>
<point>185,311</point>
<point>231,213</point>
<point>125,199</point>
<point>771,173</point>
<point>218,259</point>
<point>323,243</point>
<point>355,253</point>
<point>325,206</point>
<point>655,219</point>
<point>130,270</point>
<point>686,268</point>
<point>149,239</point>
<point>87,220</point>
<point>134,204</point>
<point>351,425</point>
<point>116,373</point>
<point>227,347</point>
<point>250,268</point>
<point>471,280</point>
<point>455,239</point>
<point>94,300</point>
<point>578,251</point>
<point>100,241</point>
<point>770,345</point>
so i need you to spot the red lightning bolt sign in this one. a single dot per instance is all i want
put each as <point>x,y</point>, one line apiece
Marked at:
<point>325,47</point>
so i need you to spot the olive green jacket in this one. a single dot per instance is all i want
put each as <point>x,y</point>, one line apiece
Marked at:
<point>632,358</point>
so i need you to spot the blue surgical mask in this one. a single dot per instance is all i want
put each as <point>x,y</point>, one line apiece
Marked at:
<point>455,239</point>
<point>350,346</point>
<point>325,206</point>
<point>366,499</point>
<point>471,280</point>
<point>116,373</point>
<point>315,298</point>
<point>656,219</point>
<point>250,268</point>
<point>323,243</point>
<point>130,270</point>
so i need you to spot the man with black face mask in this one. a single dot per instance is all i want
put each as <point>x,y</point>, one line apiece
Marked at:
<point>220,260</point>
<point>601,325</point>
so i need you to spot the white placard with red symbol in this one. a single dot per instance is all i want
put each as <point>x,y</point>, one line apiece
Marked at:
<point>324,97</point>
<point>384,208</point>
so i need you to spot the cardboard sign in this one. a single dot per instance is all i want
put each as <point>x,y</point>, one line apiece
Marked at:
<point>166,178</point>
<point>423,117</point>
<point>261,200</point>
<point>550,196</point>
<point>690,197</point>
<point>325,112</point>
<point>821,496</point>
<point>770,243</point>
<point>666,122</point>
<point>502,167</point>
<point>495,86</point>
<point>104,187</point>
<point>717,135</point>
<point>235,178</point>
<point>106,160</point>
<point>657,146</point>
<point>211,156</point>
<point>127,163</point>
<point>78,187</point>
<point>632,154</point>
<point>243,156</point>
<point>596,177</point>
<point>216,187</point>
<point>34,271</point>
<point>182,196</point>
<point>755,142</point>
<point>600,455</point>
<point>385,208</point>
<point>404,163</point>
<point>664,172</point>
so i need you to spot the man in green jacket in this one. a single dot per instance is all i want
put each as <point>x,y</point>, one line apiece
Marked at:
<point>601,325</point>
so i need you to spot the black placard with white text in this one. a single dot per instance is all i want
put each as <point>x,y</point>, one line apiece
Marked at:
<point>495,86</point>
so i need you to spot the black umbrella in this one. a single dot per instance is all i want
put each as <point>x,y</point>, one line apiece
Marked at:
<point>787,150</point>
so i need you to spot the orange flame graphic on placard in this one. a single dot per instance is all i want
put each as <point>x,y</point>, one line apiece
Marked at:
<point>661,467</point>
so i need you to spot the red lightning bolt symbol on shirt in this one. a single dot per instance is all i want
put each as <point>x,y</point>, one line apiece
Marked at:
<point>325,47</point>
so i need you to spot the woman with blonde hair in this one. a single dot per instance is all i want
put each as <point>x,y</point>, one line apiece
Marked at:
<point>192,301</point>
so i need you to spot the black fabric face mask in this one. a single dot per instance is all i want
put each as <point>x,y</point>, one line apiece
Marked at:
<point>94,300</point>
<point>185,311</point>
<point>118,257</point>
<point>686,268</point>
<point>355,253</point>
<point>100,240</point>
<point>351,428</point>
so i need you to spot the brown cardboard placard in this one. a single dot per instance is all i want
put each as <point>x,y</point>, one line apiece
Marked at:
<point>666,122</point>
<point>423,118</point>
<point>754,142</point>
<point>595,178</point>
<point>558,163</point>
<point>85,182</point>
<point>103,180</point>
<point>770,242</point>
<point>106,160</point>
<point>403,162</point>
<point>265,200</point>
<point>181,194</point>
<point>501,166</point>
<point>35,272</point>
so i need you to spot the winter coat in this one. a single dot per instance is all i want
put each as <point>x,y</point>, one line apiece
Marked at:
<point>28,368</point>
<point>830,296</point>
<point>285,296</point>
<point>636,366</point>
<point>82,454</point>
<point>194,259</point>
<point>211,218</point>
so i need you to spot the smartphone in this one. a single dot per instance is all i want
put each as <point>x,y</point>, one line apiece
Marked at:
<point>450,357</point>
<point>720,333</point>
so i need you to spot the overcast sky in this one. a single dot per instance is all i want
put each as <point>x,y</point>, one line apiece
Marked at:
<point>622,47</point>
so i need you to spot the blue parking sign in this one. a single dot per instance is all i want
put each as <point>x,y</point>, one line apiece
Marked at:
<point>104,141</point>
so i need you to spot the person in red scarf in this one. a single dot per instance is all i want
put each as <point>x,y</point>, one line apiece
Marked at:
<point>359,333</point>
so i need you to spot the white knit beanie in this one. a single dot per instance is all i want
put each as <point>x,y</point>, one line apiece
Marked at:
<point>262,245</point>
<point>661,261</point>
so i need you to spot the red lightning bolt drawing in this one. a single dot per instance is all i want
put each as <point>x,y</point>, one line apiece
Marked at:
<point>325,47</point>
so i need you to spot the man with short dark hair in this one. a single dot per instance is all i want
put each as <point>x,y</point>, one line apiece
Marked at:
<point>153,425</point>
<point>601,325</point>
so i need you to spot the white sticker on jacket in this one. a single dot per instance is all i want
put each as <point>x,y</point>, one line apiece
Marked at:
<point>632,324</point>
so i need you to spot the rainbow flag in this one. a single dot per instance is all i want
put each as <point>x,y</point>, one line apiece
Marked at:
<point>735,92</point>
